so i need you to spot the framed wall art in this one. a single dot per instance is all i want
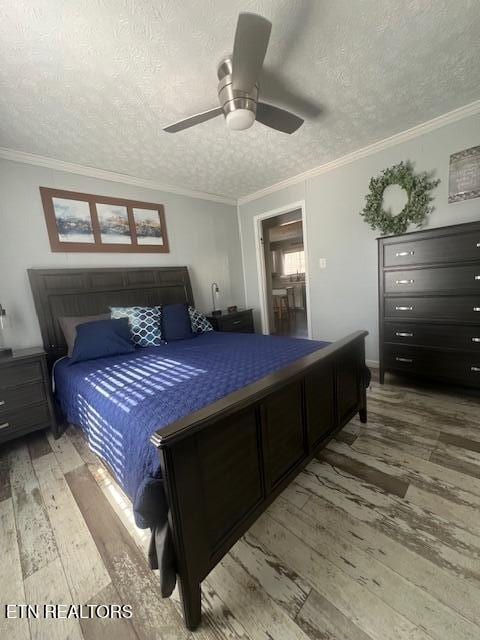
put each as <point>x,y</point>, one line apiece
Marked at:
<point>464,178</point>
<point>82,222</point>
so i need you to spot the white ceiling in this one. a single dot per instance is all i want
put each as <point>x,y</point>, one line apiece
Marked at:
<point>94,81</point>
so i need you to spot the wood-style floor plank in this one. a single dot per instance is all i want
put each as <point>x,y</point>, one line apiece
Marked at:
<point>11,580</point>
<point>417,529</point>
<point>395,590</point>
<point>457,458</point>
<point>38,444</point>
<point>48,585</point>
<point>262,618</point>
<point>420,571</point>
<point>84,569</point>
<point>67,456</point>
<point>34,532</point>
<point>320,619</point>
<point>135,582</point>
<point>335,585</point>
<point>102,629</point>
<point>5,491</point>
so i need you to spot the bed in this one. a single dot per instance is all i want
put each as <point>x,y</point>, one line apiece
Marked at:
<point>204,433</point>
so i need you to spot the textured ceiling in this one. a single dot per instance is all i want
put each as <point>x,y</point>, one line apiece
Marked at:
<point>94,81</point>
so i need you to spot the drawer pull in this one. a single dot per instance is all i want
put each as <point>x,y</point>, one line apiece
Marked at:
<point>405,334</point>
<point>477,277</point>
<point>478,245</point>
<point>476,308</point>
<point>475,339</point>
<point>410,308</point>
<point>401,254</point>
<point>406,281</point>
<point>399,359</point>
<point>475,369</point>
<point>2,402</point>
<point>4,425</point>
<point>237,322</point>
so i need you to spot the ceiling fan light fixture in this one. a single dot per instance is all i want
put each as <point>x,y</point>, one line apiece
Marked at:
<point>240,119</point>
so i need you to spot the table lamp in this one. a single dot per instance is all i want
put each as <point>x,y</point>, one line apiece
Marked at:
<point>4,323</point>
<point>215,292</point>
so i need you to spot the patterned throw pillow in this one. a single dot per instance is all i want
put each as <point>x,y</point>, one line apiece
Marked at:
<point>144,323</point>
<point>199,322</point>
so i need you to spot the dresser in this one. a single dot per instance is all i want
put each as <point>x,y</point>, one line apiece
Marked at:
<point>429,304</point>
<point>25,400</point>
<point>238,321</point>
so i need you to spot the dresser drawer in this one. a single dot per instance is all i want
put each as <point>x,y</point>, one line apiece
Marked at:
<point>15,423</point>
<point>453,367</point>
<point>460,247</point>
<point>461,308</point>
<point>20,373</point>
<point>455,279</point>
<point>466,338</point>
<point>14,398</point>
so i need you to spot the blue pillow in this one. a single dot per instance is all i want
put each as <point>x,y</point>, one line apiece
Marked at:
<point>176,324</point>
<point>101,339</point>
<point>144,324</point>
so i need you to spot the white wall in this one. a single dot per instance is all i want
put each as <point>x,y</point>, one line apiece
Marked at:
<point>344,295</point>
<point>203,235</point>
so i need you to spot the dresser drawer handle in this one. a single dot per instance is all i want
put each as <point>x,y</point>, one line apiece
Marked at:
<point>399,359</point>
<point>2,402</point>
<point>237,322</point>
<point>406,281</point>
<point>475,369</point>
<point>478,245</point>
<point>477,277</point>
<point>405,334</point>
<point>407,308</point>
<point>401,254</point>
<point>476,308</point>
<point>475,339</point>
<point>4,425</point>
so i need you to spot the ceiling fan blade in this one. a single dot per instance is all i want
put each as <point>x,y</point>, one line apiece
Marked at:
<point>249,49</point>
<point>277,118</point>
<point>193,120</point>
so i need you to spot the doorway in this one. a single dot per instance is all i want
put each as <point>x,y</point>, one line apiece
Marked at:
<point>283,273</point>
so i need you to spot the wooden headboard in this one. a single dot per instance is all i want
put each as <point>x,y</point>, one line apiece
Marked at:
<point>83,292</point>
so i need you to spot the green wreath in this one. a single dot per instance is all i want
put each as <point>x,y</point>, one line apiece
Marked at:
<point>417,186</point>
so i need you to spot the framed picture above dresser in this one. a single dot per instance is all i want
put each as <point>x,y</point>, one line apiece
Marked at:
<point>429,304</point>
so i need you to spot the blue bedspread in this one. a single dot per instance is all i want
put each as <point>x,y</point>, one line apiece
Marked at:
<point>120,401</point>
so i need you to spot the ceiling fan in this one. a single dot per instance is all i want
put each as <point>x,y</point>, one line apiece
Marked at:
<point>238,84</point>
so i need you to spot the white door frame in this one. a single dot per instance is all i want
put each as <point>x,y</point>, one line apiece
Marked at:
<point>257,226</point>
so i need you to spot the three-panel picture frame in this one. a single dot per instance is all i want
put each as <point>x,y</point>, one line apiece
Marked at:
<point>82,222</point>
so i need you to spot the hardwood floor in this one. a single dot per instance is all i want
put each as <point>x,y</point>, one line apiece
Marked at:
<point>378,539</point>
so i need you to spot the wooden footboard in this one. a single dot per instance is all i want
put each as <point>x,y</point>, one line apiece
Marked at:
<point>223,465</point>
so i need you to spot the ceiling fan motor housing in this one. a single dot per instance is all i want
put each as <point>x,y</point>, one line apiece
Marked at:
<point>232,99</point>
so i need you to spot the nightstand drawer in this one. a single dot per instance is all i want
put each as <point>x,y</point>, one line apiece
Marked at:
<point>241,324</point>
<point>20,373</point>
<point>16,423</point>
<point>14,398</point>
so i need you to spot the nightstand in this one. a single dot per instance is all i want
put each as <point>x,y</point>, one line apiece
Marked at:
<point>25,398</point>
<point>237,322</point>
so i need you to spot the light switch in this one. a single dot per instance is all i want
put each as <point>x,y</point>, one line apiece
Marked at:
<point>323,263</point>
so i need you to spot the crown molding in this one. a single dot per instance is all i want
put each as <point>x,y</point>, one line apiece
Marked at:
<point>425,127</point>
<point>101,174</point>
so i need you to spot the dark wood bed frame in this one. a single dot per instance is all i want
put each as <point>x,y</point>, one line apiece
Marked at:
<point>224,464</point>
